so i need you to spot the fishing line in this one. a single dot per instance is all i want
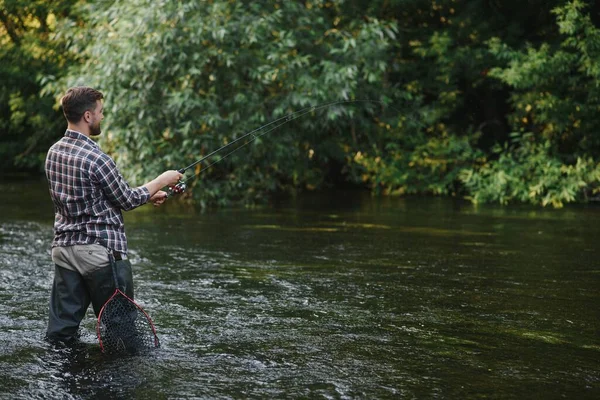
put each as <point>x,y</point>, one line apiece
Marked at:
<point>181,185</point>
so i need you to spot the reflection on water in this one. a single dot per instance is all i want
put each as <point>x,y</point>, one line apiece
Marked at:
<point>339,296</point>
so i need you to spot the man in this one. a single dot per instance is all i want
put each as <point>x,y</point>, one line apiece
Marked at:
<point>89,194</point>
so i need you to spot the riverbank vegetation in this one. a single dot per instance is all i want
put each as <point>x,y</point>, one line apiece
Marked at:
<point>488,100</point>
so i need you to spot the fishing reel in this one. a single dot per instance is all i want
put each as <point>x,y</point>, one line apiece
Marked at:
<point>176,189</point>
<point>179,187</point>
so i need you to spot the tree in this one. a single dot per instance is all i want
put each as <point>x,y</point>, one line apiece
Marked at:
<point>183,78</point>
<point>28,119</point>
<point>466,98</point>
<point>553,158</point>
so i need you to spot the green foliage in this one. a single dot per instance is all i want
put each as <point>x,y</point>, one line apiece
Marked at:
<point>456,115</point>
<point>183,78</point>
<point>28,121</point>
<point>448,80</point>
<point>427,165</point>
<point>556,87</point>
<point>527,172</point>
<point>555,97</point>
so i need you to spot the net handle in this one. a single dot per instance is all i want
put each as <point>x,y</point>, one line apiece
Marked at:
<point>113,263</point>
<point>113,267</point>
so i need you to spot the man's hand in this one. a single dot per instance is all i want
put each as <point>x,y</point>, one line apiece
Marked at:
<point>167,178</point>
<point>158,198</point>
<point>170,178</point>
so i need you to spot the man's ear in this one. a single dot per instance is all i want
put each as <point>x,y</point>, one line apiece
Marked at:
<point>87,116</point>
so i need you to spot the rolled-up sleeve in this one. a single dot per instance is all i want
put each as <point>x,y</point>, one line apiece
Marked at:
<point>116,189</point>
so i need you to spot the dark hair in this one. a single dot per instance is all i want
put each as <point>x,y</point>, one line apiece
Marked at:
<point>78,100</point>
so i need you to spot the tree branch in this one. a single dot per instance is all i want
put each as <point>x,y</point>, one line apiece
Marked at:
<point>10,28</point>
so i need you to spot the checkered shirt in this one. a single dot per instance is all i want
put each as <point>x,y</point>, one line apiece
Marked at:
<point>89,193</point>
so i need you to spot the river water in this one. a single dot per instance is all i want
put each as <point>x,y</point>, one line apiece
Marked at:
<point>334,296</point>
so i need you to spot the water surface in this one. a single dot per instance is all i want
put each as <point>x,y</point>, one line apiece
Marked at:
<point>327,296</point>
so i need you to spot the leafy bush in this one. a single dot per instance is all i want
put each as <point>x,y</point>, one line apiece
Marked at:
<point>527,172</point>
<point>184,78</point>
<point>428,165</point>
<point>447,83</point>
<point>29,123</point>
<point>555,98</point>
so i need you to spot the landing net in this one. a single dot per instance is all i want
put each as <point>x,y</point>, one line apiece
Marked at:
<point>124,327</point>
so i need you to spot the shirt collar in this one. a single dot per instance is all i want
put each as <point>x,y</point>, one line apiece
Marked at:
<point>78,135</point>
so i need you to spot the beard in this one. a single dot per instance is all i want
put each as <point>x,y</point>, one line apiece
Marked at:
<point>95,128</point>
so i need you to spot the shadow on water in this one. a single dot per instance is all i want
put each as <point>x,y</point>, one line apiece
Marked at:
<point>333,296</point>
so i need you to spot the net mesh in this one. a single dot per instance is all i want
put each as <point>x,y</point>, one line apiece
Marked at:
<point>124,327</point>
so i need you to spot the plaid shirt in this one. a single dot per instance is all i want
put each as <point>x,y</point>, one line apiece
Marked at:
<point>89,193</point>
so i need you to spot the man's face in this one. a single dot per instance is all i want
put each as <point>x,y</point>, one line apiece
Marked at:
<point>97,117</point>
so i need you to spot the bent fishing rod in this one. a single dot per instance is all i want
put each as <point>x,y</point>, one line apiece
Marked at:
<point>181,186</point>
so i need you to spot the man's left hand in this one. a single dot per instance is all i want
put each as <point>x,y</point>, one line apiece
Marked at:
<point>158,198</point>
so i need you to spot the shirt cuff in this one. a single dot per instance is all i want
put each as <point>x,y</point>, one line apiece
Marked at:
<point>145,194</point>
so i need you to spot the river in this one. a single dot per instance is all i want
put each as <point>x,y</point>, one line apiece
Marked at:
<point>334,296</point>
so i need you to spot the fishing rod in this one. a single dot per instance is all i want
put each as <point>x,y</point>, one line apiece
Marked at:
<point>181,186</point>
